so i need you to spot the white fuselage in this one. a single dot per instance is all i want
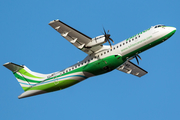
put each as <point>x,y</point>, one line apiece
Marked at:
<point>122,48</point>
<point>96,63</point>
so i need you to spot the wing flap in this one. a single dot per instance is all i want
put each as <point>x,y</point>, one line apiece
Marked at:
<point>63,28</point>
<point>75,37</point>
<point>130,68</point>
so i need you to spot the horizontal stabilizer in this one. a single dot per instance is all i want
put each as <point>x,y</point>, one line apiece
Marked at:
<point>13,67</point>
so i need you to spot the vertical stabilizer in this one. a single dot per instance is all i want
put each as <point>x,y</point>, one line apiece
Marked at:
<point>25,76</point>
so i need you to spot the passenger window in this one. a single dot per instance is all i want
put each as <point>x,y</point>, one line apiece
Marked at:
<point>66,70</point>
<point>69,69</point>
<point>129,40</point>
<point>88,60</point>
<point>108,51</point>
<point>81,63</point>
<point>91,58</point>
<point>132,39</point>
<point>123,43</point>
<point>111,49</point>
<point>126,42</point>
<point>117,46</point>
<point>139,36</point>
<point>120,45</point>
<point>135,37</point>
<point>101,54</point>
<point>72,68</point>
<point>114,48</point>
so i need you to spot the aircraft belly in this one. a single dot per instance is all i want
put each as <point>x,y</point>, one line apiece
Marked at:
<point>48,88</point>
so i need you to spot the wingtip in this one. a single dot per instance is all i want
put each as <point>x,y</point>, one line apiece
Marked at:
<point>13,67</point>
<point>54,21</point>
<point>5,64</point>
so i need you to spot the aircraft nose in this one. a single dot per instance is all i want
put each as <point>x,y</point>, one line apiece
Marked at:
<point>173,30</point>
<point>170,32</point>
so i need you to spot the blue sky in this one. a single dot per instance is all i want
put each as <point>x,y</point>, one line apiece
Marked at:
<point>26,38</point>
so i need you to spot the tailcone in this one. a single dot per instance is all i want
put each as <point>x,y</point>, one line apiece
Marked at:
<point>31,93</point>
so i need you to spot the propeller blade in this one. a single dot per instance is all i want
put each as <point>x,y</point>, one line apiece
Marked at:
<point>139,57</point>
<point>107,37</point>
<point>111,40</point>
<point>137,60</point>
<point>104,31</point>
<point>109,43</point>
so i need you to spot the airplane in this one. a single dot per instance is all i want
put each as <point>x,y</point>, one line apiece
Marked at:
<point>100,58</point>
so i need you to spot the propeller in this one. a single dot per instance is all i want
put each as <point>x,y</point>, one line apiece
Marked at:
<point>137,56</point>
<point>107,37</point>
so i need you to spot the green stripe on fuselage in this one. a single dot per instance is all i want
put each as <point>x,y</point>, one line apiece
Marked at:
<point>97,67</point>
<point>148,46</point>
<point>53,86</point>
<point>24,72</point>
<point>104,65</point>
<point>25,79</point>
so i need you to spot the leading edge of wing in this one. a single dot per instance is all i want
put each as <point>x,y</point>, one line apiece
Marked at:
<point>71,28</point>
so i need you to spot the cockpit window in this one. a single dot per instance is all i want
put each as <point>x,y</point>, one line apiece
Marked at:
<point>159,26</point>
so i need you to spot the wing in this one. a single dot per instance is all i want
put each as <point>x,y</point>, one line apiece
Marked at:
<point>131,68</point>
<point>75,37</point>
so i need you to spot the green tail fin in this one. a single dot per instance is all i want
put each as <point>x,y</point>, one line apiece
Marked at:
<point>25,76</point>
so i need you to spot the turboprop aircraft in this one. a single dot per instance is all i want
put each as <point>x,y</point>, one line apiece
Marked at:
<point>100,58</point>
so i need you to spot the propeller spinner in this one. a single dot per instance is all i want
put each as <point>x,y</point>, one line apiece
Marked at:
<point>107,37</point>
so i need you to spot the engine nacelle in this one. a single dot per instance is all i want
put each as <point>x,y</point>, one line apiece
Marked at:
<point>96,41</point>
